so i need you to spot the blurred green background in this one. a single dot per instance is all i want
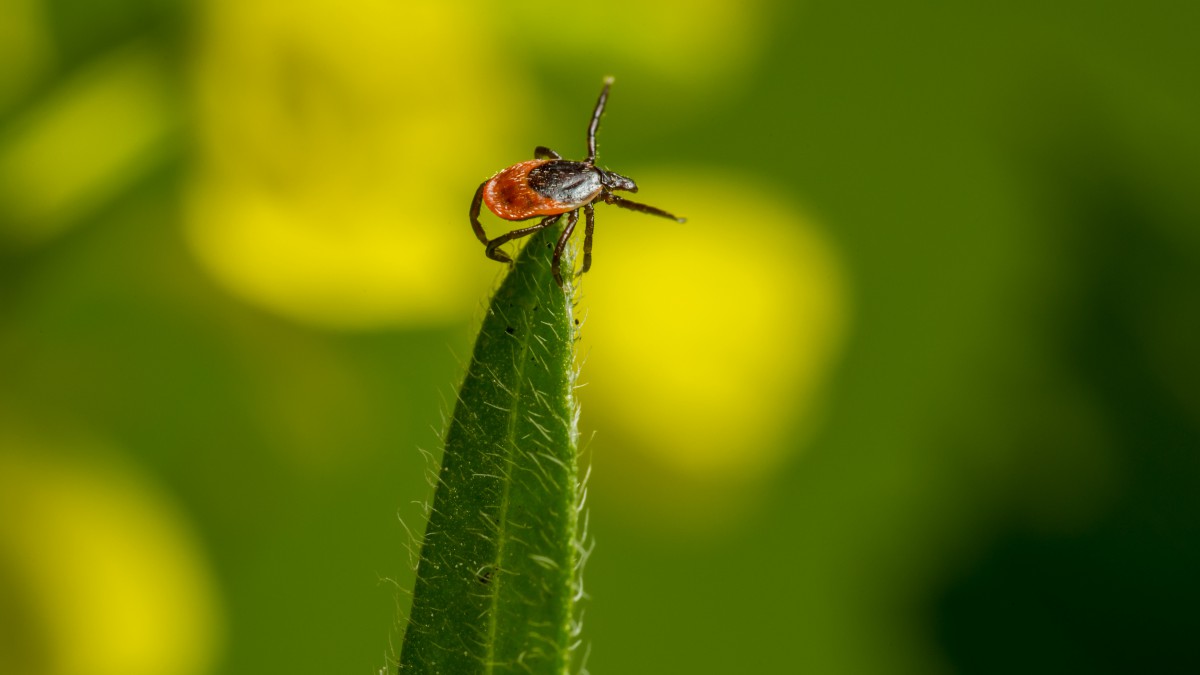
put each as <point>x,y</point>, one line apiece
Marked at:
<point>915,390</point>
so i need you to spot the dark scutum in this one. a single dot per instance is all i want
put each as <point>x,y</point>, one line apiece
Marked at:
<point>566,182</point>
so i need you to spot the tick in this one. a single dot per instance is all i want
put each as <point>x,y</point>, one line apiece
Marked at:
<point>549,186</point>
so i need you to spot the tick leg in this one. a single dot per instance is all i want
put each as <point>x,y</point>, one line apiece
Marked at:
<point>493,250</point>
<point>589,213</point>
<point>542,152</point>
<point>475,204</point>
<point>610,198</point>
<point>595,123</point>
<point>556,263</point>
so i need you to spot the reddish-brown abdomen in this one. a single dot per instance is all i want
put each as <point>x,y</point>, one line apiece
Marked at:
<point>509,196</point>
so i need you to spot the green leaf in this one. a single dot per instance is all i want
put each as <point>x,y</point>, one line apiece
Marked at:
<point>498,576</point>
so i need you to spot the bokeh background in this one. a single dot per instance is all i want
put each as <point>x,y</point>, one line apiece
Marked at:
<point>915,390</point>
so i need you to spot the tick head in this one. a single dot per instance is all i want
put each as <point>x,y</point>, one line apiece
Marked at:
<point>615,181</point>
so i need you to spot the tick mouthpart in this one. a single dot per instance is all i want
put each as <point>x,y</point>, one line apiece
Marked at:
<point>615,181</point>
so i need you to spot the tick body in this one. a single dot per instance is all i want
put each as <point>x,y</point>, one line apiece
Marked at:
<point>541,187</point>
<point>549,186</point>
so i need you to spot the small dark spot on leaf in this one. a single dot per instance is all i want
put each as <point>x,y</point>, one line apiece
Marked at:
<point>485,575</point>
<point>576,322</point>
<point>510,330</point>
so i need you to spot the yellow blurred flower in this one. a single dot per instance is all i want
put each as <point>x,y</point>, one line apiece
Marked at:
<point>109,568</point>
<point>333,188</point>
<point>706,343</point>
